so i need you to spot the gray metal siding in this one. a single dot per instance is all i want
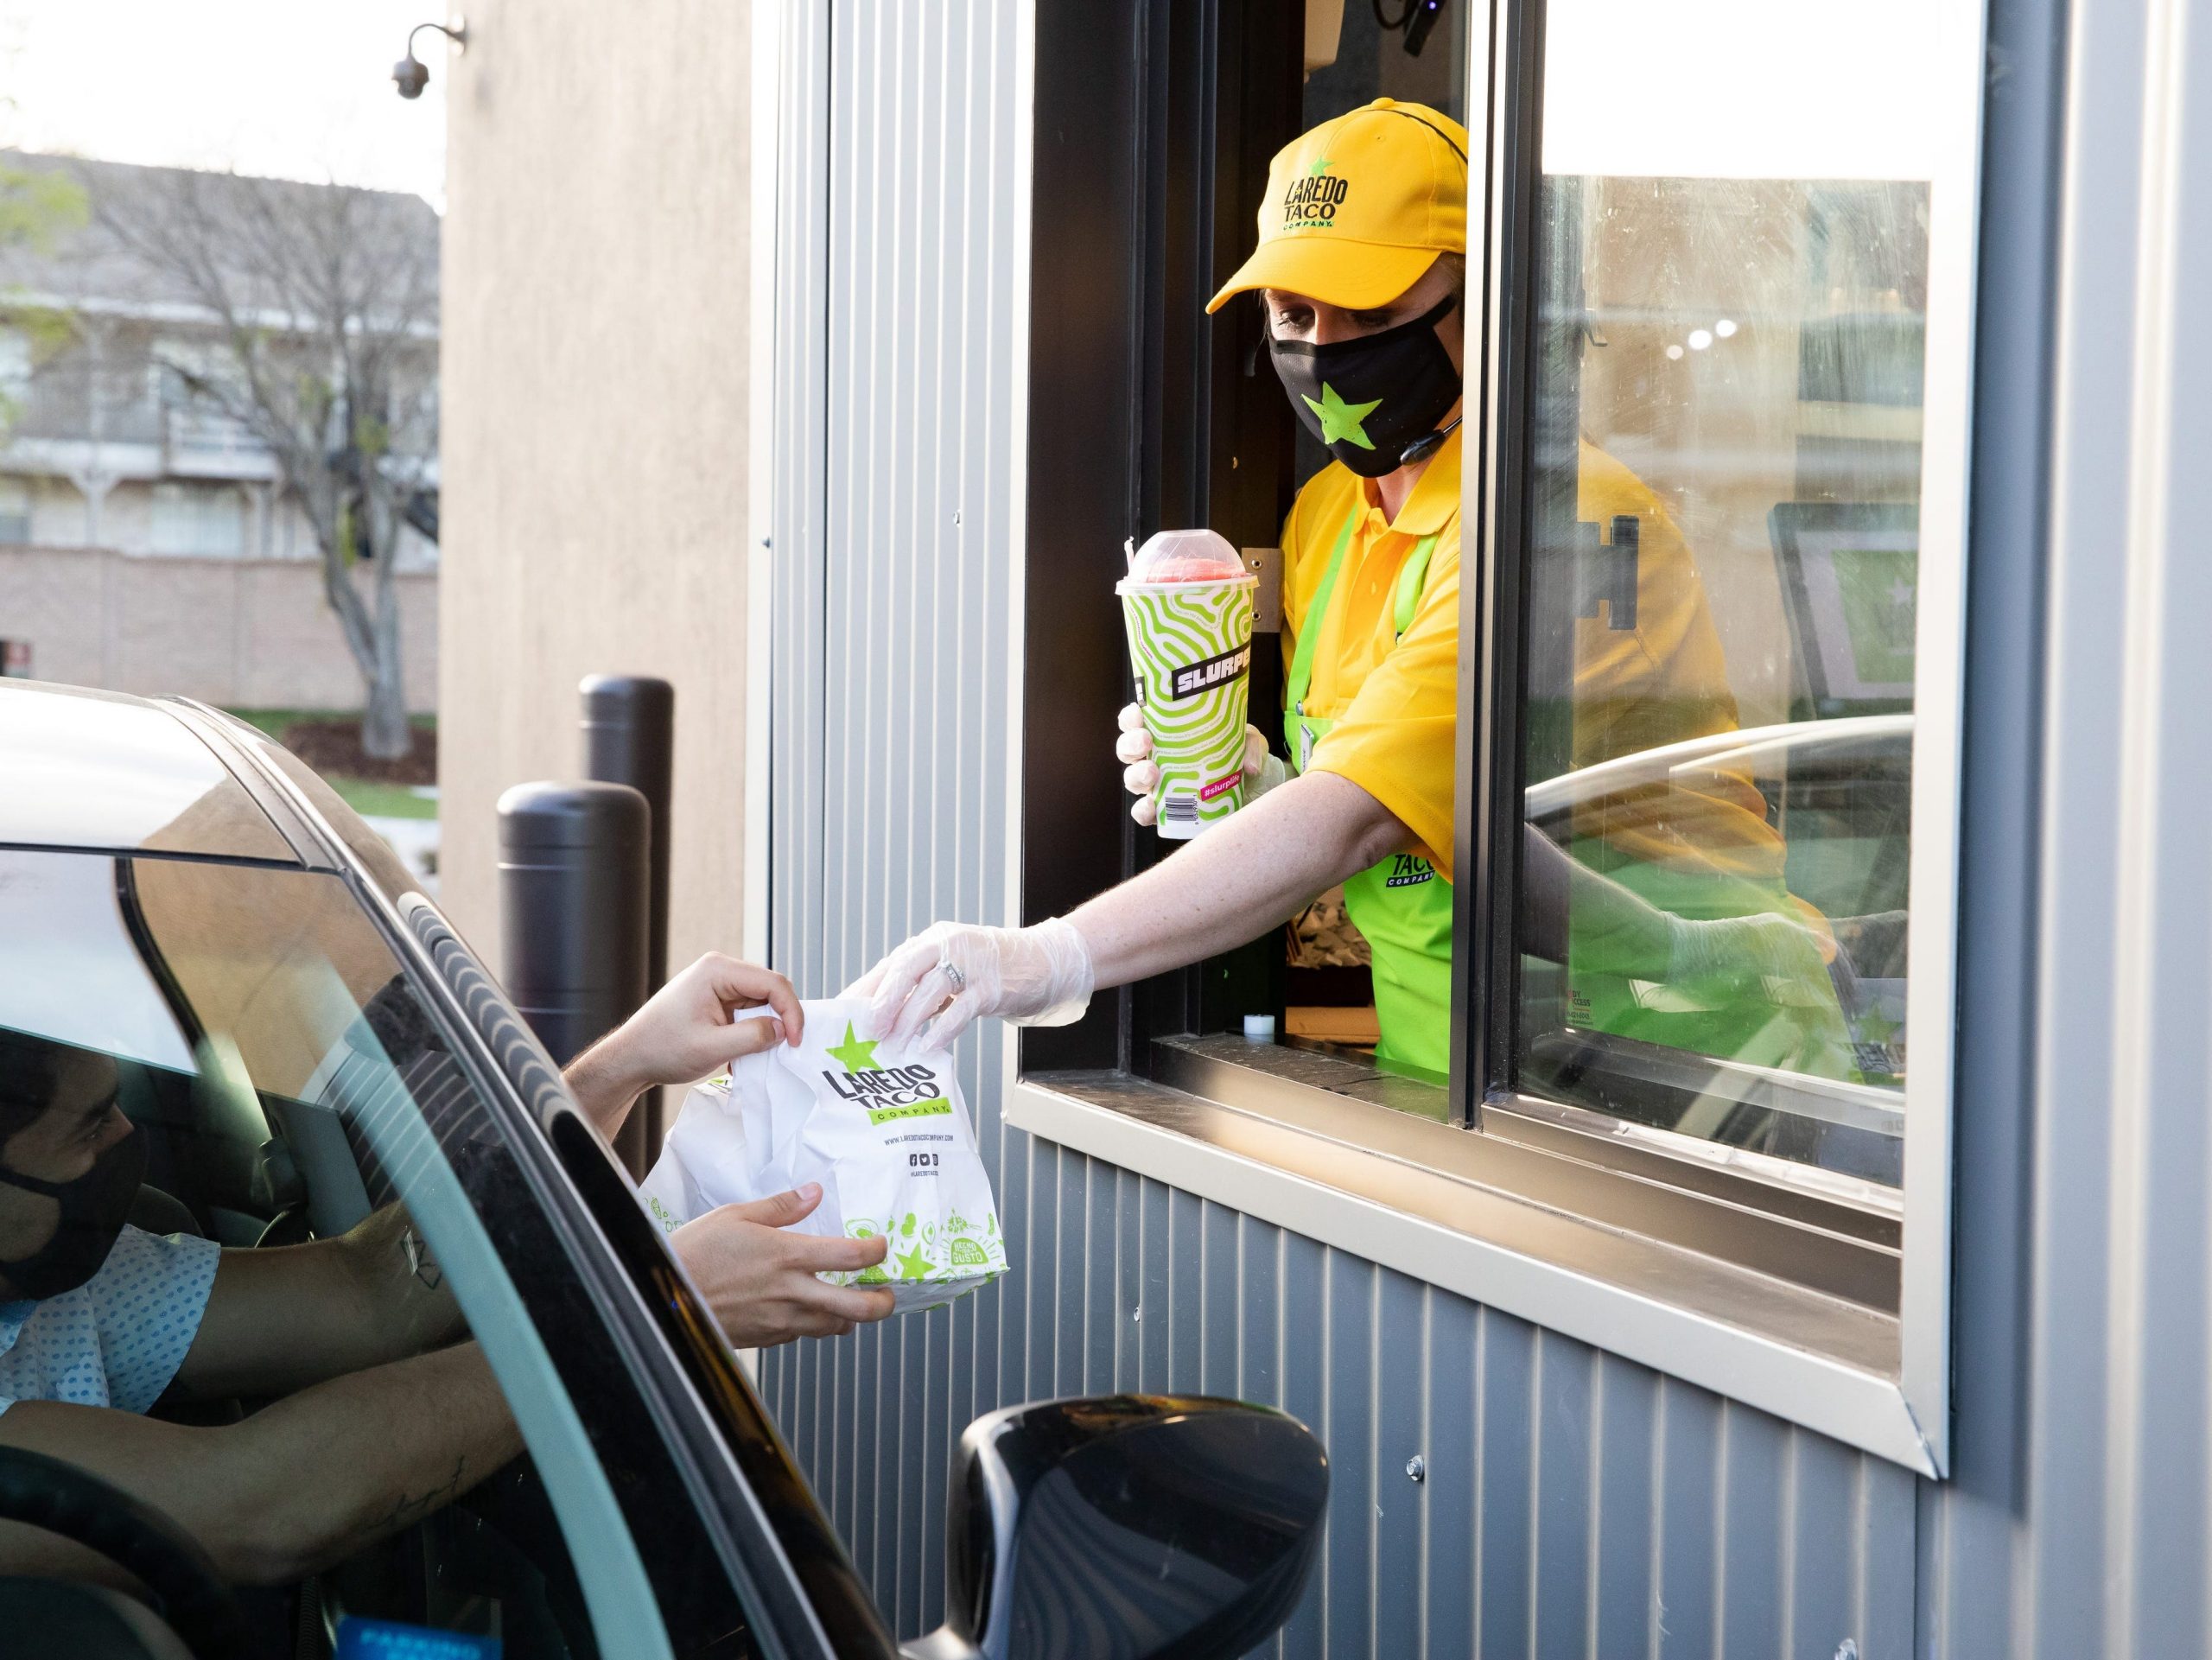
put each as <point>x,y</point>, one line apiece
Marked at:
<point>1573,1503</point>
<point>892,537</point>
<point>2076,1524</point>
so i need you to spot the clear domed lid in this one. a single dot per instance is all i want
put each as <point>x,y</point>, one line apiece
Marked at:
<point>1185,556</point>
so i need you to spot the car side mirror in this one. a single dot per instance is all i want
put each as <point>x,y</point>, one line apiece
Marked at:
<point>1128,1527</point>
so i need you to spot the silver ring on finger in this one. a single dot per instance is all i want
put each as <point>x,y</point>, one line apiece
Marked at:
<point>952,973</point>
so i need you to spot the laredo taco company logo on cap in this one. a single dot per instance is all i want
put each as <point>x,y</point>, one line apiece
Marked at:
<point>1313,198</point>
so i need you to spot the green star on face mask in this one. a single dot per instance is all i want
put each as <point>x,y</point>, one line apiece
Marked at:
<point>1369,400</point>
<point>1340,420</point>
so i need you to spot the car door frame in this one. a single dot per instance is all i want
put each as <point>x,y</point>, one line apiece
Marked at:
<point>746,1489</point>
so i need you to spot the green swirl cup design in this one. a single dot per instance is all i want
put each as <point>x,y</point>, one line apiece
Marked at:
<point>1191,646</point>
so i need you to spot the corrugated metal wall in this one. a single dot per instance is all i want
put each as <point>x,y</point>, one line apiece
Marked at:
<point>1573,1503</point>
<point>2076,1522</point>
<point>895,459</point>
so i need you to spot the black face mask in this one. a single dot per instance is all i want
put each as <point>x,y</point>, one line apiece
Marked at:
<point>92,1209</point>
<point>1371,399</point>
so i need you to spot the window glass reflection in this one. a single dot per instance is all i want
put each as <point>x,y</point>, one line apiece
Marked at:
<point>1726,469</point>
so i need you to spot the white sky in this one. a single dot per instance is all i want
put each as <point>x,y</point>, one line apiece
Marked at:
<point>1771,89</point>
<point>297,89</point>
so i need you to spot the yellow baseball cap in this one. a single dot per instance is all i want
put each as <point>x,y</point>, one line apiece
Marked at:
<point>1360,207</point>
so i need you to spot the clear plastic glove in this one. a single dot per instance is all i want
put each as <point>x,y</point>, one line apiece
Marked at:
<point>951,973</point>
<point>1764,945</point>
<point>1263,769</point>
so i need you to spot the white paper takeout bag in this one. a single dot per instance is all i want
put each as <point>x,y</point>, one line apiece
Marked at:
<point>885,1132</point>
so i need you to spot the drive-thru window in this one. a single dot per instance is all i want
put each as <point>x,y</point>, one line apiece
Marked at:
<point>1710,650</point>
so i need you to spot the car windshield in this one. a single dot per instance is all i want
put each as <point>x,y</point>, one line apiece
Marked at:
<point>269,1265</point>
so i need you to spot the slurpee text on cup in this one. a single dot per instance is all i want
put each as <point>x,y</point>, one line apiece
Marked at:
<point>1187,604</point>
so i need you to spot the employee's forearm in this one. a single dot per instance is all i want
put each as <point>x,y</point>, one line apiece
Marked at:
<point>1253,872</point>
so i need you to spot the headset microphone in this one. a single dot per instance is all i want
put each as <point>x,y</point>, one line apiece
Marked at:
<point>1421,448</point>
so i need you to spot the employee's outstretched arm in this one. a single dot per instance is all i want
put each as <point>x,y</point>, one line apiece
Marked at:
<point>1255,871</point>
<point>1249,873</point>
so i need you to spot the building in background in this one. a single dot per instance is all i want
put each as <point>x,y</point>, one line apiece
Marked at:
<point>146,542</point>
<point>595,432</point>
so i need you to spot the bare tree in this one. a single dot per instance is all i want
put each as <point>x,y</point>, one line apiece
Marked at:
<point>324,300</point>
<point>36,208</point>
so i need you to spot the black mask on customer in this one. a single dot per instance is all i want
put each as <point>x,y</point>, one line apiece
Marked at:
<point>93,1207</point>
<point>1369,400</point>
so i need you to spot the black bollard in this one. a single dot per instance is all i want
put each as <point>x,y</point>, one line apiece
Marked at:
<point>572,917</point>
<point>629,726</point>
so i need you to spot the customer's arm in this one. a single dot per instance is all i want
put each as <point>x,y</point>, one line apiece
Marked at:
<point>300,1484</point>
<point>281,1318</point>
<point>760,1278</point>
<point>689,1028</point>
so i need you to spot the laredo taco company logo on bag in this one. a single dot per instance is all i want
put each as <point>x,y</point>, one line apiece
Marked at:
<point>886,1135</point>
<point>887,1093</point>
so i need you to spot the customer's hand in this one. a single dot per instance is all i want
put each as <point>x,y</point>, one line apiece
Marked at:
<point>951,973</point>
<point>1141,773</point>
<point>686,1030</point>
<point>758,1277</point>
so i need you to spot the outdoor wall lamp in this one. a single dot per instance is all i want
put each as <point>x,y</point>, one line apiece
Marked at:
<point>411,74</point>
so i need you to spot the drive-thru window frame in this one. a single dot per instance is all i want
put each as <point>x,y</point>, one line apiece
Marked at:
<point>1825,1308</point>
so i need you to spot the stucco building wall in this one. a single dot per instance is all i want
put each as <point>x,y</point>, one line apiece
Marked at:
<point>593,439</point>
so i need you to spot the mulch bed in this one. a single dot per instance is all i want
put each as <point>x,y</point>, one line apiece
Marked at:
<point>335,748</point>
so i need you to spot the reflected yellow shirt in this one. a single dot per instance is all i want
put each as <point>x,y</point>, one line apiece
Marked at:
<point>1394,700</point>
<point>1659,682</point>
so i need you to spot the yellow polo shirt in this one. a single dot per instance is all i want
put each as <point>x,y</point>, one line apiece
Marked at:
<point>1395,701</point>
<point>1659,682</point>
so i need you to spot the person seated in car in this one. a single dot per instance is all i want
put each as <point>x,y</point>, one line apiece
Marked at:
<point>383,1415</point>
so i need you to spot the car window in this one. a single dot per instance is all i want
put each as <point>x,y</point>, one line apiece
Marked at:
<point>96,769</point>
<point>779,1544</point>
<point>298,1104</point>
<point>372,853</point>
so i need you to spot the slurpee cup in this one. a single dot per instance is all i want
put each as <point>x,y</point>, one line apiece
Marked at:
<point>1187,604</point>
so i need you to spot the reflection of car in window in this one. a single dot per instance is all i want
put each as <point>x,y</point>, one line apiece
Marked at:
<point>320,1303</point>
<point>1840,785</point>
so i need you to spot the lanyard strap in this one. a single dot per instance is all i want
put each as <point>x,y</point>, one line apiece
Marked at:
<point>1411,578</point>
<point>1301,660</point>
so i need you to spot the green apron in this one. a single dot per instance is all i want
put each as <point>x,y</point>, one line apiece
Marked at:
<point>1402,906</point>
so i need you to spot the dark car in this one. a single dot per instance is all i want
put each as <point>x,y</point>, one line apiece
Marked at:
<point>302,1039</point>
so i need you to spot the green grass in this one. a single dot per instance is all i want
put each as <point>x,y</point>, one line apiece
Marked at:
<point>275,720</point>
<point>367,796</point>
<point>374,800</point>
